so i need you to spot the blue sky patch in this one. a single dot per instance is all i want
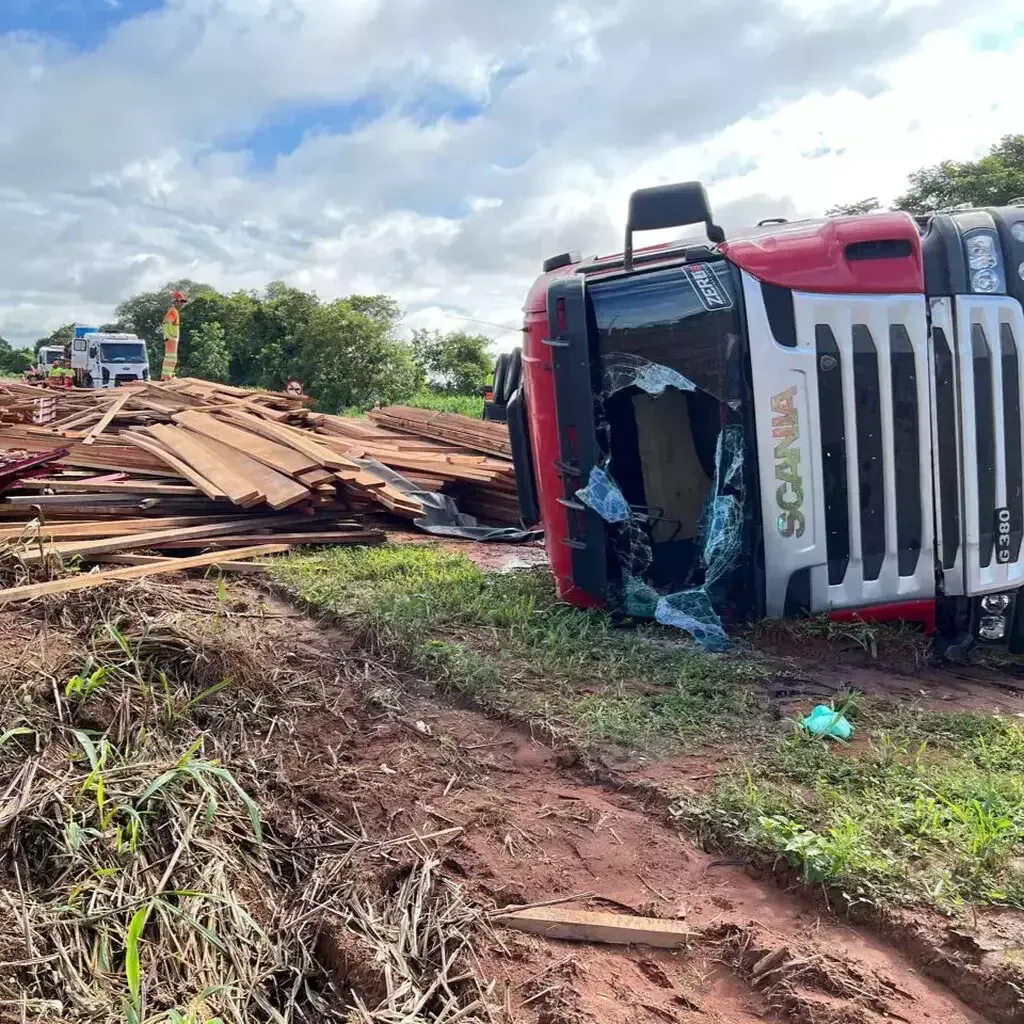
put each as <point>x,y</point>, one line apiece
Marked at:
<point>79,24</point>
<point>283,133</point>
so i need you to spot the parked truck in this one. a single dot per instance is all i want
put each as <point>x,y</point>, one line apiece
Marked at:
<point>107,360</point>
<point>813,417</point>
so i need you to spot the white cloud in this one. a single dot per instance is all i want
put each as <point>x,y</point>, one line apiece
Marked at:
<point>119,171</point>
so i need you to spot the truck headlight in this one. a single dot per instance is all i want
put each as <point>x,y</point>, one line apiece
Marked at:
<point>981,252</point>
<point>992,627</point>
<point>995,603</point>
<point>984,262</point>
<point>985,281</point>
<point>1017,230</point>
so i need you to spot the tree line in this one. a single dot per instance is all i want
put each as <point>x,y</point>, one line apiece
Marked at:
<point>350,352</point>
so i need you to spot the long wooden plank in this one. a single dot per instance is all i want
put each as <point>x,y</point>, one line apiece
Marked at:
<point>270,453</point>
<point>239,487</point>
<point>213,491</point>
<point>100,528</point>
<point>140,487</point>
<point>597,926</point>
<point>300,440</point>
<point>280,491</point>
<point>326,538</point>
<point>143,540</point>
<point>88,581</point>
<point>232,567</point>
<point>115,407</point>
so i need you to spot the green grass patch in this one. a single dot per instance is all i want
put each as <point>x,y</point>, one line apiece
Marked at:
<point>930,810</point>
<point>465,405</point>
<point>505,640</point>
<point>922,808</point>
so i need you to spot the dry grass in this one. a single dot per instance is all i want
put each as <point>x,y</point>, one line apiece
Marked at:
<point>155,864</point>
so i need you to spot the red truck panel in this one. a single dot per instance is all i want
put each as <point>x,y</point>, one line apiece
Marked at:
<point>821,256</point>
<point>544,438</point>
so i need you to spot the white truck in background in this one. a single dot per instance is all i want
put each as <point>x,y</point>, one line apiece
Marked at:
<point>107,360</point>
<point>47,357</point>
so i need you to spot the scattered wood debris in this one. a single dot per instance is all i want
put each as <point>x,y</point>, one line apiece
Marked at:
<point>190,465</point>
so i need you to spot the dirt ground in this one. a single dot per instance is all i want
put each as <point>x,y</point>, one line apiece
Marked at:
<point>383,755</point>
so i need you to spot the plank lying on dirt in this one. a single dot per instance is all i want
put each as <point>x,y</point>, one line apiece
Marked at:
<point>231,567</point>
<point>596,926</point>
<point>88,581</point>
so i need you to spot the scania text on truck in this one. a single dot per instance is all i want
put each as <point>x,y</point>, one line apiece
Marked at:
<point>812,417</point>
<point>106,360</point>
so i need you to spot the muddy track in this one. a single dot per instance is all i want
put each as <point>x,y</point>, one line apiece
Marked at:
<point>538,823</point>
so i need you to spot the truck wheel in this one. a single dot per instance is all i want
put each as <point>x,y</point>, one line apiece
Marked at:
<point>500,373</point>
<point>513,373</point>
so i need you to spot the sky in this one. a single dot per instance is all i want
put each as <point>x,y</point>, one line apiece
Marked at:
<point>439,150</point>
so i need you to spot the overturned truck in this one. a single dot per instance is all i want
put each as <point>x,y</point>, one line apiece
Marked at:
<point>813,417</point>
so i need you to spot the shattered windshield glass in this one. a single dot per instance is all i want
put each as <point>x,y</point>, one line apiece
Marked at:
<point>672,482</point>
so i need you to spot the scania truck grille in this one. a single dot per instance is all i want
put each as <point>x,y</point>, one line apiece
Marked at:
<point>844,448</point>
<point>977,440</point>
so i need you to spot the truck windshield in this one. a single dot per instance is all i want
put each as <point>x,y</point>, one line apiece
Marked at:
<point>122,352</point>
<point>50,356</point>
<point>674,412</point>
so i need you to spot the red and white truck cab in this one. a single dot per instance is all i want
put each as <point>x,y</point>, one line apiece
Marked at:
<point>811,417</point>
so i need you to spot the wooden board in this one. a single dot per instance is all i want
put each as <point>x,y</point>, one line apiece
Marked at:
<point>323,537</point>
<point>88,581</point>
<point>213,491</point>
<point>270,453</point>
<point>115,407</point>
<point>142,540</point>
<point>279,491</point>
<point>561,922</point>
<point>229,567</point>
<point>190,449</point>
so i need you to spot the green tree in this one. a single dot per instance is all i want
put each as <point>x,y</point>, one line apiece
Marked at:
<point>349,358</point>
<point>61,336</point>
<point>143,314</point>
<point>14,360</point>
<point>854,209</point>
<point>207,355</point>
<point>994,180</point>
<point>456,363</point>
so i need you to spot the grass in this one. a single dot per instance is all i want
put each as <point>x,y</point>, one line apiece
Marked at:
<point>465,405</point>
<point>928,809</point>
<point>922,808</point>
<point>155,867</point>
<point>503,639</point>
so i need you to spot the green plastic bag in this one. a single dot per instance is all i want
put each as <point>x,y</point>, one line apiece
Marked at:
<point>826,721</point>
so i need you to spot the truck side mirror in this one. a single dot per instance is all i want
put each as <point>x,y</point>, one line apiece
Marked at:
<point>668,206</point>
<point>92,352</point>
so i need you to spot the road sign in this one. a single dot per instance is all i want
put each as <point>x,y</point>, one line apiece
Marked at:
<point>293,387</point>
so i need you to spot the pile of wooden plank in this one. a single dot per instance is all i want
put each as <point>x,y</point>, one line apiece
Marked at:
<point>190,465</point>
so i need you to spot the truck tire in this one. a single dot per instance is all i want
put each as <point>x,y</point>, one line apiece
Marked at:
<point>513,373</point>
<point>500,372</point>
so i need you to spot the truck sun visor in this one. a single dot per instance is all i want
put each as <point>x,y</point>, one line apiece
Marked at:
<point>718,542</point>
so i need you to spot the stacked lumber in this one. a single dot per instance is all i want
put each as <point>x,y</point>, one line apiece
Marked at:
<point>479,435</point>
<point>186,448</point>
